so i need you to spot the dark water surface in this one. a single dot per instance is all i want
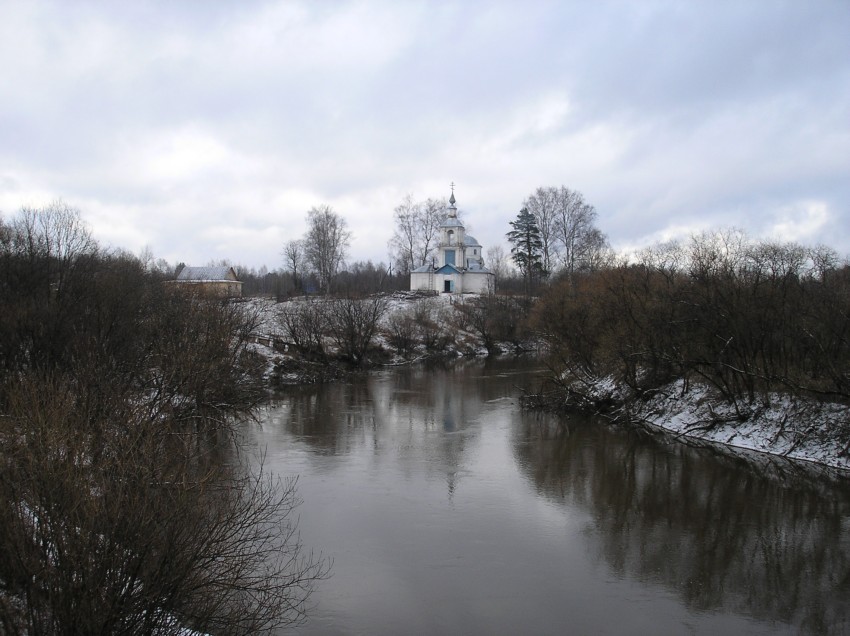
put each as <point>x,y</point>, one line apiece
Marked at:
<point>448,510</point>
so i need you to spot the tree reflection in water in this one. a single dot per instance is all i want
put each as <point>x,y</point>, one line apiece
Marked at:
<point>435,454</point>
<point>750,534</point>
<point>416,415</point>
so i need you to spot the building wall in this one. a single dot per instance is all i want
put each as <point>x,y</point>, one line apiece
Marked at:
<point>478,282</point>
<point>468,282</point>
<point>222,288</point>
<point>420,281</point>
<point>455,280</point>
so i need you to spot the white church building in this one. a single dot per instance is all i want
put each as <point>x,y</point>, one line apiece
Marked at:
<point>459,265</point>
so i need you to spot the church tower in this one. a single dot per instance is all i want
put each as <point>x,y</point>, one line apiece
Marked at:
<point>459,265</point>
<point>452,239</point>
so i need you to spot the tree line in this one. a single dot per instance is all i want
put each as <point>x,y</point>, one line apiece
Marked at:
<point>357,278</point>
<point>744,317</point>
<point>317,262</point>
<point>125,505</point>
<point>554,234</point>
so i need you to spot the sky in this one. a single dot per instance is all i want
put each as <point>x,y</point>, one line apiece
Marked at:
<point>205,130</point>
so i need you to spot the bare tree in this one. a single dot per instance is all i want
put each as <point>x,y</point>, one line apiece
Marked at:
<point>401,331</point>
<point>49,259</point>
<point>293,259</point>
<point>305,324</point>
<point>56,231</point>
<point>56,237</point>
<point>133,527</point>
<point>433,213</point>
<point>404,243</point>
<point>498,319</point>
<point>147,258</point>
<point>567,228</point>
<point>326,243</point>
<point>124,504</point>
<point>543,205</point>
<point>363,277</point>
<point>581,242</point>
<point>417,229</point>
<point>498,262</point>
<point>5,234</point>
<point>154,264</point>
<point>353,324</point>
<point>598,252</point>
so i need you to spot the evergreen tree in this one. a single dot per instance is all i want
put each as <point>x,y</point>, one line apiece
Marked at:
<point>527,247</point>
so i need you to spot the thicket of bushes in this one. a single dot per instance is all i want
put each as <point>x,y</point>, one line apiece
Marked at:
<point>348,324</point>
<point>347,327</point>
<point>747,318</point>
<point>123,506</point>
<point>427,326</point>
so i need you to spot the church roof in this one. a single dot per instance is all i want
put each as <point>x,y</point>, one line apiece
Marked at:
<point>471,240</point>
<point>475,266</point>
<point>452,221</point>
<point>206,273</point>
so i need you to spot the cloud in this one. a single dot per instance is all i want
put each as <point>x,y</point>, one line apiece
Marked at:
<point>181,155</point>
<point>208,130</point>
<point>802,222</point>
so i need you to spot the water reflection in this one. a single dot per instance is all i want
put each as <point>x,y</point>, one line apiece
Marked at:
<point>432,489</point>
<point>424,418</point>
<point>755,536</point>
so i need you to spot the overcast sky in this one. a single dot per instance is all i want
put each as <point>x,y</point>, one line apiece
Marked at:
<point>205,130</point>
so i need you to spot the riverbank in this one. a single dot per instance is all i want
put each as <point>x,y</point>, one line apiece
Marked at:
<point>777,424</point>
<point>782,425</point>
<point>411,327</point>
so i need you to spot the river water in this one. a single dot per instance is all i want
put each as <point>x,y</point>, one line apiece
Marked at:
<point>449,510</point>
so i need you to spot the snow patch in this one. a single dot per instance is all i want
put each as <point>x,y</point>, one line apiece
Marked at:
<point>777,424</point>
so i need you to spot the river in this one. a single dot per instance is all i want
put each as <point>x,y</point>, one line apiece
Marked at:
<point>449,510</point>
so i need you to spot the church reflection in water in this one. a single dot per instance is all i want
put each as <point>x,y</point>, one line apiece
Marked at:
<point>745,534</point>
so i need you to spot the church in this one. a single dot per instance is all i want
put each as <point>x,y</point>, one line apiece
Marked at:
<point>459,265</point>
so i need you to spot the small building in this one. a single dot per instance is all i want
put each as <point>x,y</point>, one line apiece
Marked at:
<point>459,265</point>
<point>213,281</point>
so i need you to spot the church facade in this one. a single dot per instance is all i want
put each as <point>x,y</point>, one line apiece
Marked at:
<point>458,267</point>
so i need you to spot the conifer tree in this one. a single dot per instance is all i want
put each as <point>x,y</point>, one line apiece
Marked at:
<point>526,247</point>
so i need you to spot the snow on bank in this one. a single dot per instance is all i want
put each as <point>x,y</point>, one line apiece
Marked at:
<point>780,425</point>
<point>285,366</point>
